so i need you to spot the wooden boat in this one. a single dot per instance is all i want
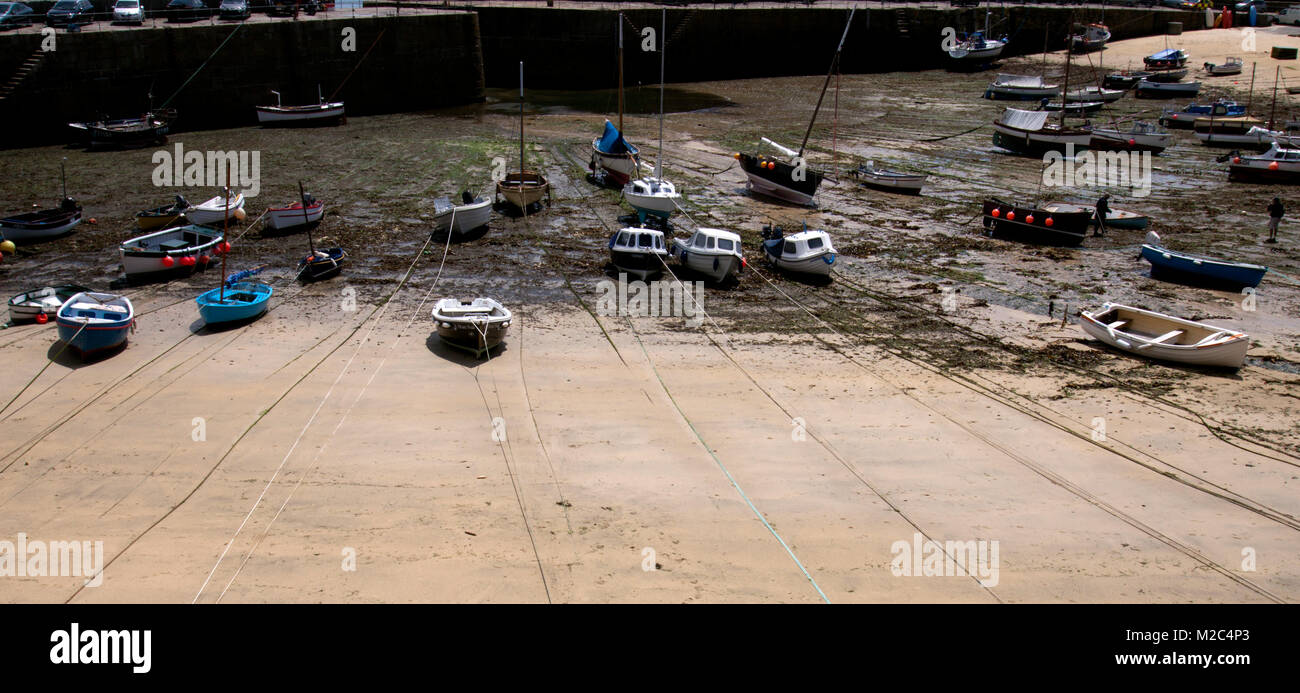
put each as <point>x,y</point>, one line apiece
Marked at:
<point>1186,118</point>
<point>1167,76</point>
<point>92,322</point>
<point>612,155</point>
<point>1028,132</point>
<point>321,113</point>
<point>1088,94</point>
<point>806,252</point>
<point>1167,90</point>
<point>639,252</point>
<point>1277,165</point>
<point>1233,131</point>
<point>215,210</point>
<point>1072,108</point>
<point>884,179</point>
<point>164,216</point>
<point>322,264</point>
<point>149,129</point>
<point>476,326</point>
<point>1089,37</point>
<point>1198,269</point>
<point>1164,337</point>
<point>42,225</point>
<point>790,180</point>
<point>1021,88</point>
<point>523,188</point>
<point>170,251</point>
<point>40,304</point>
<point>1056,223</point>
<point>1230,66</point>
<point>714,253</point>
<point>473,213</point>
<point>1166,59</point>
<point>1140,136</point>
<point>1124,80</point>
<point>292,216</point>
<point>234,302</point>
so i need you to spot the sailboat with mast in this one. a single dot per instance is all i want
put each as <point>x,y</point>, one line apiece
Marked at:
<point>1029,132</point>
<point>523,188</point>
<point>654,195</point>
<point>234,301</point>
<point>319,264</point>
<point>613,156</point>
<point>790,180</point>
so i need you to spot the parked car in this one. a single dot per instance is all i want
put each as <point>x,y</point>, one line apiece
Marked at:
<point>285,7</point>
<point>66,12</point>
<point>1259,5</point>
<point>186,10</point>
<point>1181,4</point>
<point>1290,15</point>
<point>233,9</point>
<point>15,14</point>
<point>128,12</point>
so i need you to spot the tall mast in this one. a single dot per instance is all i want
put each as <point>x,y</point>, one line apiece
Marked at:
<point>663,44</point>
<point>1065,87</point>
<point>521,124</point>
<point>620,72</point>
<point>225,233</point>
<point>834,59</point>
<point>1251,96</point>
<point>1272,111</point>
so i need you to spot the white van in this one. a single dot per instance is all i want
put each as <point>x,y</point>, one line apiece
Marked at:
<point>1290,15</point>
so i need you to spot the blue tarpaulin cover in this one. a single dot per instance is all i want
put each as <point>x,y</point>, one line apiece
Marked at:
<point>612,142</point>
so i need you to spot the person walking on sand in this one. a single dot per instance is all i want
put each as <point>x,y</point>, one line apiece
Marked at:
<point>1275,212</point>
<point>1103,207</point>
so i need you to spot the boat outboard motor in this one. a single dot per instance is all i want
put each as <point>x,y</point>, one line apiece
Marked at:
<point>68,204</point>
<point>1152,238</point>
<point>466,197</point>
<point>181,203</point>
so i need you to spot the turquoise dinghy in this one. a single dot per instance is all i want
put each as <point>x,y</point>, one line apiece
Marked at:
<point>241,301</point>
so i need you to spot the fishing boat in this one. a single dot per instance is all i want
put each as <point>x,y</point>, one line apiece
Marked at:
<point>1021,88</point>
<point>1056,223</point>
<point>654,195</point>
<point>1089,37</point>
<point>296,215</point>
<point>214,210</point>
<point>1186,118</point>
<point>322,264</point>
<point>476,326</point>
<point>612,155</point>
<point>320,113</point>
<point>40,304</point>
<point>1029,132</point>
<point>714,253</point>
<point>1277,165</point>
<point>1072,107</point>
<point>1230,66</point>
<point>1124,79</point>
<point>1166,59</point>
<point>46,223</point>
<point>1167,76</point>
<point>234,302</point>
<point>977,48</point>
<point>805,252</point>
<point>473,213</point>
<point>170,251</point>
<point>1139,136</point>
<point>1167,90</point>
<point>92,322</point>
<point>1094,94</point>
<point>523,188</point>
<point>1198,269</point>
<point>790,180</point>
<point>1233,131</point>
<point>885,179</point>
<point>162,217</point>
<point>1164,337</point>
<point>639,252</point>
<point>148,129</point>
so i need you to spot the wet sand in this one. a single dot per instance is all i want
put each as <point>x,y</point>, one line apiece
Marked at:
<point>331,430</point>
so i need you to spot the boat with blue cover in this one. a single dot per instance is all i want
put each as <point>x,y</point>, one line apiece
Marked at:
<point>1186,118</point>
<point>92,322</point>
<point>1190,267</point>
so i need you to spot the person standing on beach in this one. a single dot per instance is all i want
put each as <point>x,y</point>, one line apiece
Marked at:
<point>1103,207</point>
<point>1275,212</point>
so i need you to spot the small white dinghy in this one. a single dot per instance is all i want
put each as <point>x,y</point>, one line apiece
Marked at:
<point>473,213</point>
<point>475,326</point>
<point>805,252</point>
<point>40,304</point>
<point>1158,336</point>
<point>215,210</point>
<point>885,179</point>
<point>712,252</point>
<point>292,215</point>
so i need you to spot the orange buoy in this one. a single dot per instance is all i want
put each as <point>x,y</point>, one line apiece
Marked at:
<point>995,213</point>
<point>1029,219</point>
<point>1011,216</point>
<point>1048,221</point>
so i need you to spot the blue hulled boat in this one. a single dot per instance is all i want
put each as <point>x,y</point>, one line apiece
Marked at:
<point>1188,267</point>
<point>90,322</point>
<point>235,302</point>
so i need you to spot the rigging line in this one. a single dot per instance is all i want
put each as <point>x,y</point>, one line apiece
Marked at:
<point>380,310</point>
<point>48,361</point>
<point>205,64</point>
<point>354,67</point>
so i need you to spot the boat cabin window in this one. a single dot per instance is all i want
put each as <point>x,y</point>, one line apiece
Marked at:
<point>622,238</point>
<point>698,242</point>
<point>644,240</point>
<point>814,242</point>
<point>725,244</point>
<point>712,243</point>
<point>790,248</point>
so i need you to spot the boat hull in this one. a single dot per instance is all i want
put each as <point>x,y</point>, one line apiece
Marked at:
<point>143,257</point>
<point>1068,228</point>
<point>818,265</point>
<point>619,168</point>
<point>1285,173</point>
<point>1038,142</point>
<point>282,218</point>
<point>290,116</point>
<point>715,265</point>
<point>1229,352</point>
<point>641,265</point>
<point>467,217</point>
<point>50,223</point>
<point>779,181</point>
<point>315,268</point>
<point>1129,142</point>
<point>44,301</point>
<point>523,190</point>
<point>1187,269</point>
<point>89,337</point>
<point>208,215</point>
<point>243,301</point>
